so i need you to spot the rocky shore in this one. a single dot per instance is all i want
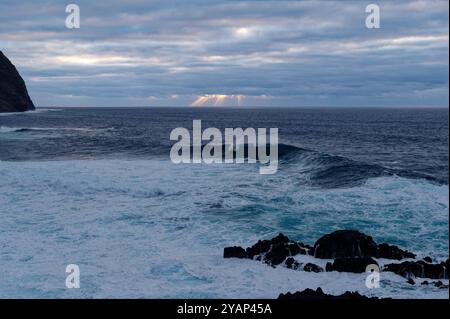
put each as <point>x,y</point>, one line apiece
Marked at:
<point>350,251</point>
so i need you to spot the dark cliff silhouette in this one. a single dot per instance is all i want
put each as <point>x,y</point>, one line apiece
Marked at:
<point>13,92</point>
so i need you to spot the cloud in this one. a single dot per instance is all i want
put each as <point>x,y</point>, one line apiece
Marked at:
<point>292,53</point>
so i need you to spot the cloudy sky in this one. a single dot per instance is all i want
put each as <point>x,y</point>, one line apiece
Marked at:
<point>230,52</point>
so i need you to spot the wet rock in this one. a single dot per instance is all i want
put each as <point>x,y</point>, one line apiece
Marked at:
<point>411,281</point>
<point>234,252</point>
<point>273,252</point>
<point>428,259</point>
<point>263,246</point>
<point>355,265</point>
<point>392,252</point>
<point>344,243</point>
<point>309,267</point>
<point>309,294</point>
<point>352,243</point>
<point>421,269</point>
<point>291,263</point>
<point>277,254</point>
<point>298,248</point>
<point>438,284</point>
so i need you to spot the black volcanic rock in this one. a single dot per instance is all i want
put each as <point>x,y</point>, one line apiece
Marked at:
<point>438,284</point>
<point>352,243</point>
<point>13,92</point>
<point>277,254</point>
<point>309,294</point>
<point>421,269</point>
<point>310,267</point>
<point>272,252</point>
<point>354,264</point>
<point>411,281</point>
<point>291,263</point>
<point>345,243</point>
<point>393,252</point>
<point>234,252</point>
<point>428,259</point>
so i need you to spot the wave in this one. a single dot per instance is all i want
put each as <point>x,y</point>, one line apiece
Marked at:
<point>6,129</point>
<point>42,110</point>
<point>324,170</point>
<point>310,167</point>
<point>333,171</point>
<point>165,207</point>
<point>31,112</point>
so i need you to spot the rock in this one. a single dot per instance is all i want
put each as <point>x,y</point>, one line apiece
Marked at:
<point>355,265</point>
<point>309,267</point>
<point>298,248</point>
<point>352,243</point>
<point>309,294</point>
<point>411,281</point>
<point>272,252</point>
<point>234,252</point>
<point>344,243</point>
<point>428,259</point>
<point>352,250</point>
<point>441,285</point>
<point>277,254</point>
<point>421,269</point>
<point>291,263</point>
<point>446,263</point>
<point>13,92</point>
<point>263,246</point>
<point>438,284</point>
<point>392,252</point>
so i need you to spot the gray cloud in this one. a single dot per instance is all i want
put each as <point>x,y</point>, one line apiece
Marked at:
<point>276,53</point>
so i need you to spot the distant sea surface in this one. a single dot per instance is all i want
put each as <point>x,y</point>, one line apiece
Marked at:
<point>96,187</point>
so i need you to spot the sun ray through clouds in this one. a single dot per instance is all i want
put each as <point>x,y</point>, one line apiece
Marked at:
<point>218,100</point>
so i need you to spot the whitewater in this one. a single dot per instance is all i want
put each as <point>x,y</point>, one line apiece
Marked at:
<point>102,194</point>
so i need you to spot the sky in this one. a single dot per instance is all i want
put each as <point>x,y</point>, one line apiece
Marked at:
<point>230,53</point>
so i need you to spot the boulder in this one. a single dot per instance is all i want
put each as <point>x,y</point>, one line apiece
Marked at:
<point>234,252</point>
<point>309,267</point>
<point>291,263</point>
<point>421,269</point>
<point>428,259</point>
<point>392,252</point>
<point>344,243</point>
<point>352,243</point>
<point>411,281</point>
<point>273,251</point>
<point>277,254</point>
<point>438,284</point>
<point>355,264</point>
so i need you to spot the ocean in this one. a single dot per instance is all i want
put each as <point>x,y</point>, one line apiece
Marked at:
<point>95,187</point>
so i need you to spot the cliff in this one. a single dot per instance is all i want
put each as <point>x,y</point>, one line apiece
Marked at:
<point>13,92</point>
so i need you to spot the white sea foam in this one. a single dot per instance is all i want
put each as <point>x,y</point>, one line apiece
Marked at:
<point>37,111</point>
<point>6,129</point>
<point>156,229</point>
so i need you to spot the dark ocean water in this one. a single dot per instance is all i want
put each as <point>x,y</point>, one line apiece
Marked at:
<point>95,187</point>
<point>338,144</point>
